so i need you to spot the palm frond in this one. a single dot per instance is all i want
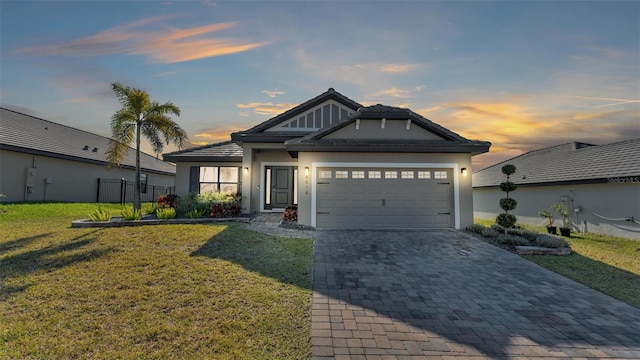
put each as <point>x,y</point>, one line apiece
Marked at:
<point>152,134</point>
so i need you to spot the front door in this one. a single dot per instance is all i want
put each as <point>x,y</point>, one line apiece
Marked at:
<point>279,187</point>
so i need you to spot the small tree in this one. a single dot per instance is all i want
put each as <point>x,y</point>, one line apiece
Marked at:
<point>507,220</point>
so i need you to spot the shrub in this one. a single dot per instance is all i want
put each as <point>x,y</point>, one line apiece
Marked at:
<point>512,240</point>
<point>100,215</point>
<point>507,220</point>
<point>150,209</point>
<point>499,228</point>
<point>129,213</point>
<point>168,201</point>
<point>166,213</point>
<point>476,228</point>
<point>229,207</point>
<point>489,232</point>
<point>290,213</point>
<point>544,240</point>
<point>195,214</point>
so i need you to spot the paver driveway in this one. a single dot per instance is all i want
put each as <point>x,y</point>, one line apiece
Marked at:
<point>445,294</point>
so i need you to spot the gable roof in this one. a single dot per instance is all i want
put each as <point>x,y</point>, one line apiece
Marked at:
<point>226,151</point>
<point>29,134</point>
<point>258,133</point>
<point>570,163</point>
<point>450,142</point>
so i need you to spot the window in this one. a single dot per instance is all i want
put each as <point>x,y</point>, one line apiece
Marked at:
<point>223,179</point>
<point>424,174</point>
<point>357,174</point>
<point>375,174</point>
<point>143,183</point>
<point>325,174</point>
<point>439,174</point>
<point>342,174</point>
<point>406,174</point>
<point>390,174</point>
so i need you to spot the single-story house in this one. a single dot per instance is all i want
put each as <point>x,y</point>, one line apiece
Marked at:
<point>41,160</point>
<point>343,165</point>
<point>600,185</point>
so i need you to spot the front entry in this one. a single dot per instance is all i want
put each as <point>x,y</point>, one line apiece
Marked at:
<point>280,187</point>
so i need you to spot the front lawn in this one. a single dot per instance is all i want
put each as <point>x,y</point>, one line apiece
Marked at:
<point>608,264</point>
<point>169,291</point>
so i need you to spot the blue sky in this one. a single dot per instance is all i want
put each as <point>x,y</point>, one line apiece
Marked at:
<point>523,75</point>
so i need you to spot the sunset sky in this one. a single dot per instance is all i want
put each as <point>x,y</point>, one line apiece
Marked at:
<point>522,75</point>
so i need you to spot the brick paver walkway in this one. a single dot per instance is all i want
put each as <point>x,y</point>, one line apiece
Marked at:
<point>447,295</point>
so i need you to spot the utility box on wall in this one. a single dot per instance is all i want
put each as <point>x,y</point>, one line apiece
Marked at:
<point>31,177</point>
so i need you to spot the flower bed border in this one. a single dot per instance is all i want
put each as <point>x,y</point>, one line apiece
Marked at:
<point>118,222</point>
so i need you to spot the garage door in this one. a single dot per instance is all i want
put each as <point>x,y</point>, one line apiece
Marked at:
<point>384,198</point>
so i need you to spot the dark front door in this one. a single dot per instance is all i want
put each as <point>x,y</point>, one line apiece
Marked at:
<point>281,187</point>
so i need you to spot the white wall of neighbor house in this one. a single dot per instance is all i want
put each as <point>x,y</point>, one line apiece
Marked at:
<point>57,179</point>
<point>464,206</point>
<point>255,160</point>
<point>601,208</point>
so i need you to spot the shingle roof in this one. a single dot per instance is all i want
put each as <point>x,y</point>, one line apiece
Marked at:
<point>226,151</point>
<point>29,134</point>
<point>330,94</point>
<point>452,142</point>
<point>568,163</point>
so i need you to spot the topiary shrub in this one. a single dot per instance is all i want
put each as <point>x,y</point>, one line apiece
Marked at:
<point>507,204</point>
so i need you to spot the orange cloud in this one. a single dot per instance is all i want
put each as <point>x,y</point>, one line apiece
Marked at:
<point>272,93</point>
<point>161,46</point>
<point>267,108</point>
<point>388,68</point>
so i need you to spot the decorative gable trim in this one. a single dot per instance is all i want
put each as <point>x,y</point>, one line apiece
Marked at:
<point>319,117</point>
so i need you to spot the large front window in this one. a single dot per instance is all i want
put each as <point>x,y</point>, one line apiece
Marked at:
<point>223,179</point>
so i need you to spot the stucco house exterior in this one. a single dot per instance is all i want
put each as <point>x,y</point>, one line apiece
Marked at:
<point>344,166</point>
<point>600,185</point>
<point>41,160</point>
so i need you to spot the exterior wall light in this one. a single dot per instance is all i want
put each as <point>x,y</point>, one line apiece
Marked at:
<point>306,171</point>
<point>463,171</point>
<point>246,170</point>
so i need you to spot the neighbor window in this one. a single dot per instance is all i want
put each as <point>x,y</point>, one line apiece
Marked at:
<point>222,179</point>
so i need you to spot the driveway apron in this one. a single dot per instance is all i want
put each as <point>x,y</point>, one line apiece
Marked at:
<point>447,295</point>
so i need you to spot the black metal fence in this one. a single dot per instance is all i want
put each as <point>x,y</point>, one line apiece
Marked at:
<point>121,191</point>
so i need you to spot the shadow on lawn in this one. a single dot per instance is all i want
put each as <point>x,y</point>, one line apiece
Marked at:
<point>44,259</point>
<point>17,243</point>
<point>288,260</point>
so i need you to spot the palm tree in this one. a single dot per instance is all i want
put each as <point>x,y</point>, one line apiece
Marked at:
<point>139,115</point>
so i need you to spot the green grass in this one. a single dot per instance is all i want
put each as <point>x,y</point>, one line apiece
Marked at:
<point>171,291</point>
<point>608,264</point>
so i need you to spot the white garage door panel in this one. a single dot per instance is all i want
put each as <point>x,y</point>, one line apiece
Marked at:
<point>384,202</point>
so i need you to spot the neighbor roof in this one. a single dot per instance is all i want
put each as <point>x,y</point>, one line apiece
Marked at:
<point>257,133</point>
<point>29,134</point>
<point>226,151</point>
<point>451,142</point>
<point>567,163</point>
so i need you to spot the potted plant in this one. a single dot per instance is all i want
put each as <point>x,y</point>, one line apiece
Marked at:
<point>546,213</point>
<point>562,210</point>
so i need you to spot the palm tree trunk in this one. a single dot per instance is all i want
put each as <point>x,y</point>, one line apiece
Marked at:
<point>136,189</point>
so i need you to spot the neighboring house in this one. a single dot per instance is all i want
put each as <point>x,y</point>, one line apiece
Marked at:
<point>600,185</point>
<point>44,161</point>
<point>344,166</point>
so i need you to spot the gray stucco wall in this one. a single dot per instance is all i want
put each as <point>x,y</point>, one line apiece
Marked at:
<point>596,203</point>
<point>70,180</point>
<point>393,129</point>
